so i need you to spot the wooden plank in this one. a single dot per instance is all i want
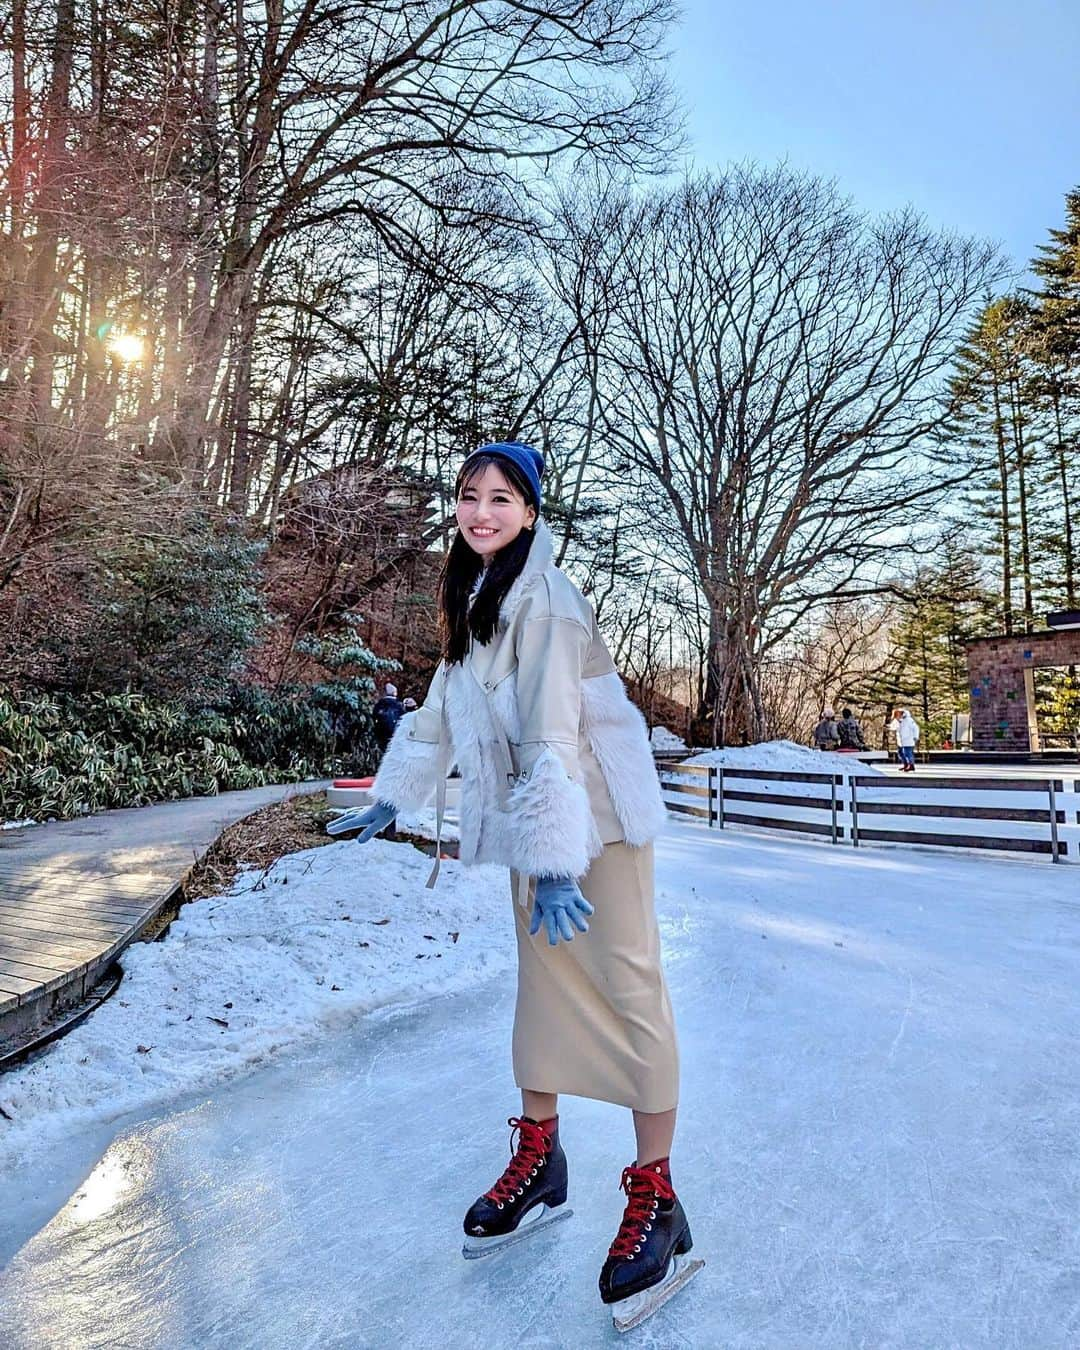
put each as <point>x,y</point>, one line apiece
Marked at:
<point>702,811</point>
<point>917,780</point>
<point>51,931</point>
<point>677,767</point>
<point>106,896</point>
<point>40,960</point>
<point>958,840</point>
<point>781,799</point>
<point>15,984</point>
<point>92,876</point>
<point>1040,817</point>
<point>59,910</point>
<point>75,895</point>
<point>74,949</point>
<point>135,891</point>
<point>775,776</point>
<point>689,789</point>
<point>779,823</point>
<point>44,978</point>
<point>68,925</point>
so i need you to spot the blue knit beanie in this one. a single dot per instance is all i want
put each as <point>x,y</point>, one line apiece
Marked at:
<point>529,461</point>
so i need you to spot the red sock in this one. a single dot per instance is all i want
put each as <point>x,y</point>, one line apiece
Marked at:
<point>550,1126</point>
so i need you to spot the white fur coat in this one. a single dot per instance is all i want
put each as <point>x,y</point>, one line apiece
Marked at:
<point>580,771</point>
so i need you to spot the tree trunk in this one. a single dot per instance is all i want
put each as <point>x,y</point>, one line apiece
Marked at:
<point>1006,524</point>
<point>1020,448</point>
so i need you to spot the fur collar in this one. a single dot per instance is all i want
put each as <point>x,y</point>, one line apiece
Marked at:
<point>539,560</point>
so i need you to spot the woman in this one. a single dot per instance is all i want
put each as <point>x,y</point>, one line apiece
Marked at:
<point>558,783</point>
<point>907,732</point>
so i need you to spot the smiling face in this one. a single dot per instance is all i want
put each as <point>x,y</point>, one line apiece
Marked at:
<point>491,513</point>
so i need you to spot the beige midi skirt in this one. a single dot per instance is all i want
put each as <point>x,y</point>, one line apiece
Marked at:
<point>593,1016</point>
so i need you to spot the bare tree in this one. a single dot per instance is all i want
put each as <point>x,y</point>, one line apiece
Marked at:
<point>776,386</point>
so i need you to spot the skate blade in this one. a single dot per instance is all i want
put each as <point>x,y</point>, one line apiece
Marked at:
<point>475,1247</point>
<point>639,1307</point>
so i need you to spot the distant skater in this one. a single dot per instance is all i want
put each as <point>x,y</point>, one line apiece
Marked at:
<point>386,713</point>
<point>907,733</point>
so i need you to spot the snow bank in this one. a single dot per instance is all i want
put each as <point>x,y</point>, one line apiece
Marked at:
<point>324,936</point>
<point>784,757</point>
<point>663,739</point>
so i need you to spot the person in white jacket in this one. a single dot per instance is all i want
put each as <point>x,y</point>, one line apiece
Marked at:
<point>906,730</point>
<point>557,783</point>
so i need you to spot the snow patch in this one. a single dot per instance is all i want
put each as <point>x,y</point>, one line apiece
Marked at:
<point>663,739</point>
<point>785,757</point>
<point>321,938</point>
<point>17,824</point>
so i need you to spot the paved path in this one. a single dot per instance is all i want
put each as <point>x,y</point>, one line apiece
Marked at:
<point>73,894</point>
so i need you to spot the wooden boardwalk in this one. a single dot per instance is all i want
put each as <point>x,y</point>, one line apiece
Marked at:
<point>75,893</point>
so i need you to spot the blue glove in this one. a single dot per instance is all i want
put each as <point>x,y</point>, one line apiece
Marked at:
<point>369,822</point>
<point>559,903</point>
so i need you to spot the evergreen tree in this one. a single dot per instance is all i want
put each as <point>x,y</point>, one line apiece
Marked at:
<point>994,405</point>
<point>1055,348</point>
<point>946,605</point>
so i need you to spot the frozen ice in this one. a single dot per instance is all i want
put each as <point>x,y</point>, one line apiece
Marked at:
<point>877,1141</point>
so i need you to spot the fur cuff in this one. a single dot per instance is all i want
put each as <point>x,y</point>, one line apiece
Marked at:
<point>619,739</point>
<point>407,774</point>
<point>550,822</point>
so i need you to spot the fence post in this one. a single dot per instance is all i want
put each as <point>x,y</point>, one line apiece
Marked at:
<point>854,813</point>
<point>711,772</point>
<point>720,801</point>
<point>833,786</point>
<point>1055,847</point>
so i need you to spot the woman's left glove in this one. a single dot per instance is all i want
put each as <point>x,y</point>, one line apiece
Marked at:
<point>365,824</point>
<point>558,903</point>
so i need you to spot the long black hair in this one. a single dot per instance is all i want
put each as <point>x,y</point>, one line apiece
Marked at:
<point>459,619</point>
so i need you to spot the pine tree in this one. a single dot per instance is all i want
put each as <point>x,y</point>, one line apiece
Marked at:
<point>945,606</point>
<point>996,415</point>
<point>1055,347</point>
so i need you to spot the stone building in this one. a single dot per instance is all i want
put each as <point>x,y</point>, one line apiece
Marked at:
<point>1001,678</point>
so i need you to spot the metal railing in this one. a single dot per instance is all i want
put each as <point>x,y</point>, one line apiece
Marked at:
<point>1033,816</point>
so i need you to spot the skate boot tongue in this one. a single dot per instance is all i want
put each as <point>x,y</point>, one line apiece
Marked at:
<point>533,1143</point>
<point>646,1190</point>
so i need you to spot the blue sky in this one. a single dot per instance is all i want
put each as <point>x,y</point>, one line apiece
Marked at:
<point>970,111</point>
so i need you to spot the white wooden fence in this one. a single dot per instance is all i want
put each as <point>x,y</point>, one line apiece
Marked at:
<point>1034,816</point>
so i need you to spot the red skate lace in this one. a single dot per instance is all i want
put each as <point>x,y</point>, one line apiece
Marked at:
<point>532,1144</point>
<point>643,1188</point>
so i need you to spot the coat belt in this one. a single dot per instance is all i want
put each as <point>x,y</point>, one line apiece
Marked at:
<point>505,782</point>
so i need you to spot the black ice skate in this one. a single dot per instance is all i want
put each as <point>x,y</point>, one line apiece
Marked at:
<point>525,1197</point>
<point>647,1262</point>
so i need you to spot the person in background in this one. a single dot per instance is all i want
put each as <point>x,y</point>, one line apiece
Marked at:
<point>849,732</point>
<point>385,715</point>
<point>410,705</point>
<point>907,733</point>
<point>826,735</point>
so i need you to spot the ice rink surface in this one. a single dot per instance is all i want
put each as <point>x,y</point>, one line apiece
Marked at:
<point>877,1144</point>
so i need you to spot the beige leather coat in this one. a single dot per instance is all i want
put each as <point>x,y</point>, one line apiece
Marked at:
<point>554,758</point>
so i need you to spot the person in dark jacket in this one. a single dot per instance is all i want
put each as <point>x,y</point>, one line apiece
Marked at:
<point>385,715</point>
<point>849,732</point>
<point>826,736</point>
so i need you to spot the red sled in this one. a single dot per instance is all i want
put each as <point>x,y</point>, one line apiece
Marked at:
<point>353,782</point>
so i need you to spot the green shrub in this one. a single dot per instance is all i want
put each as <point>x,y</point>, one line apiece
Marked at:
<point>64,755</point>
